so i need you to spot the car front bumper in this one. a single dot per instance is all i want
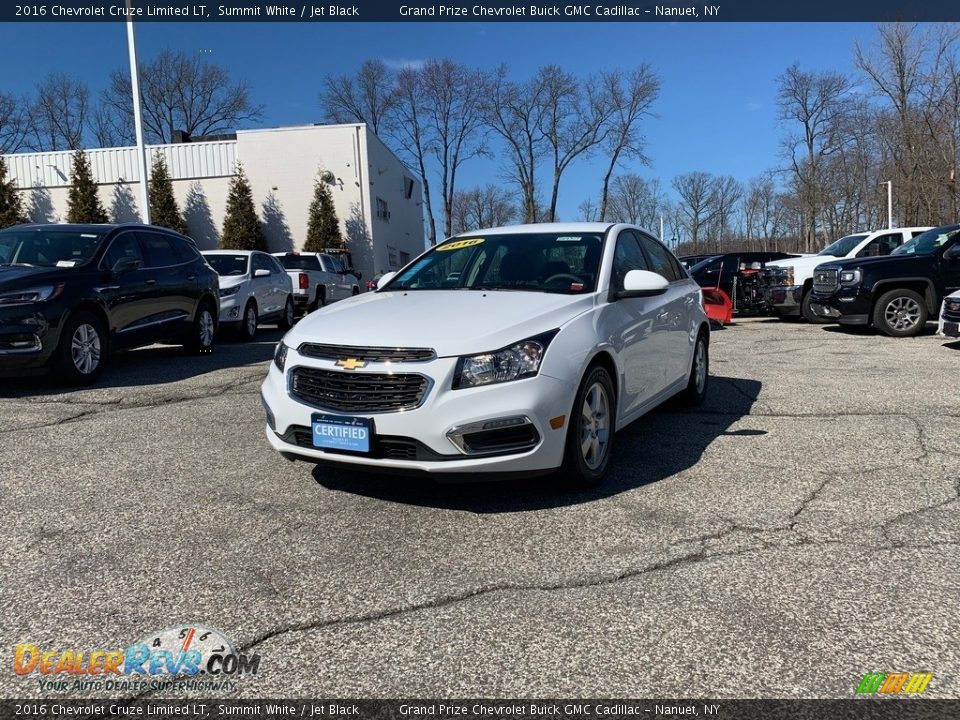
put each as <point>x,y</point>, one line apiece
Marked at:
<point>785,299</point>
<point>427,429</point>
<point>949,323</point>
<point>29,335</point>
<point>847,305</point>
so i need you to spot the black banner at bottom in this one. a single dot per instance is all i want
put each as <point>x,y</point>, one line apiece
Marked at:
<point>853,709</point>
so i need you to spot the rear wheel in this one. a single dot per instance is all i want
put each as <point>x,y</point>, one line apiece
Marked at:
<point>203,332</point>
<point>248,325</point>
<point>696,390</point>
<point>320,300</point>
<point>806,310</point>
<point>900,313</point>
<point>590,431</point>
<point>289,315</point>
<point>80,356</point>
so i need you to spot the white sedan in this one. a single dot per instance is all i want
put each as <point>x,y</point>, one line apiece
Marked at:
<point>950,316</point>
<point>511,351</point>
<point>253,287</point>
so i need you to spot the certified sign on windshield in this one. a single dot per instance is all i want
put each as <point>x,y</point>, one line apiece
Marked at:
<point>460,244</point>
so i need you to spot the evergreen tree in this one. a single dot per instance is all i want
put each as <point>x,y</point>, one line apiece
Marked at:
<point>323,227</point>
<point>241,226</point>
<point>164,210</point>
<point>83,204</point>
<point>11,206</point>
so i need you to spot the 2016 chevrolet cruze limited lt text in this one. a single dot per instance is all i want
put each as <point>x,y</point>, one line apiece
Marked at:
<point>510,351</point>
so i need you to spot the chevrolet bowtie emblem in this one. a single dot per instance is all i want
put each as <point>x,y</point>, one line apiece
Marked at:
<point>351,363</point>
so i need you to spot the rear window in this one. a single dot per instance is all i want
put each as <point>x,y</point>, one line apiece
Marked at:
<point>300,262</point>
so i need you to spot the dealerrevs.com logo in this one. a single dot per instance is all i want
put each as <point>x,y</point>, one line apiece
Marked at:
<point>189,657</point>
<point>878,683</point>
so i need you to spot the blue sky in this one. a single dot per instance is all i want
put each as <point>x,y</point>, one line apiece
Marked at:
<point>716,111</point>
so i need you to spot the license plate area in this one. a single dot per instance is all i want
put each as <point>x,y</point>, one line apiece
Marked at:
<point>951,328</point>
<point>339,432</point>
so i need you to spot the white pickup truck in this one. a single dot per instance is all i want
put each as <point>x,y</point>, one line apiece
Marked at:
<point>318,279</point>
<point>787,283</point>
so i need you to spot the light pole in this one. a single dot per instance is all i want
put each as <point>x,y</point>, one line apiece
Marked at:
<point>889,184</point>
<point>137,118</point>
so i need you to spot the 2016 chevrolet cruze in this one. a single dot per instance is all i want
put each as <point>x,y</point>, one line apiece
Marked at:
<point>516,350</point>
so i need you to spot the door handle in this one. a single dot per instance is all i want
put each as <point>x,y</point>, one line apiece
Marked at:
<point>191,278</point>
<point>151,281</point>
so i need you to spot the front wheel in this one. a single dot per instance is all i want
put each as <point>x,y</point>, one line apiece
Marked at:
<point>900,313</point>
<point>82,350</point>
<point>806,309</point>
<point>289,315</point>
<point>590,431</point>
<point>202,335</point>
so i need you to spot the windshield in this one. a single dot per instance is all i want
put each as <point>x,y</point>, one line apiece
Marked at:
<point>534,262</point>
<point>228,264</point>
<point>844,246</point>
<point>47,248</point>
<point>300,262</point>
<point>929,242</point>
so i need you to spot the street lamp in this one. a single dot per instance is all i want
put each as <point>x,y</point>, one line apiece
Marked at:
<point>889,184</point>
<point>137,118</point>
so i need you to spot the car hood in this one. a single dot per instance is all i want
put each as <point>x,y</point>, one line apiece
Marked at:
<point>452,322</point>
<point>871,261</point>
<point>16,276</point>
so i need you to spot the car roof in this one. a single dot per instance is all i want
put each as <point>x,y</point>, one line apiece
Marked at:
<point>595,227</point>
<point>228,252</point>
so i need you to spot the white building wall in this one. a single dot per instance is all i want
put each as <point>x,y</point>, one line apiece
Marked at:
<point>281,165</point>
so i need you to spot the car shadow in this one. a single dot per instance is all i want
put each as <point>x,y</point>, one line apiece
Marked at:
<point>870,331</point>
<point>155,365</point>
<point>662,443</point>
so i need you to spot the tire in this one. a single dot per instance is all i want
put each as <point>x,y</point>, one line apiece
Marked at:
<point>82,350</point>
<point>900,313</point>
<point>807,311</point>
<point>696,391</point>
<point>320,300</point>
<point>289,317</point>
<point>585,468</point>
<point>248,324</point>
<point>356,290</point>
<point>203,332</point>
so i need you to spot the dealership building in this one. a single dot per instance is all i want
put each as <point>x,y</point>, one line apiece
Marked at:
<point>377,199</point>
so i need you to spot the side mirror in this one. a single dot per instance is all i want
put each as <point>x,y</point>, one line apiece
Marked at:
<point>261,273</point>
<point>953,252</point>
<point>384,279</point>
<point>125,265</point>
<point>643,283</point>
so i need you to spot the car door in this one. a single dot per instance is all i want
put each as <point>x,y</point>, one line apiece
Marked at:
<point>333,278</point>
<point>630,323</point>
<point>125,293</point>
<point>171,287</point>
<point>673,318</point>
<point>263,288</point>
<point>282,281</point>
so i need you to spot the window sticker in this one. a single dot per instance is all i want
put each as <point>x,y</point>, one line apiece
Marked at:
<point>458,244</point>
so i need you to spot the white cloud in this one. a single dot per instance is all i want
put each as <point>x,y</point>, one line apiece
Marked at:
<point>401,63</point>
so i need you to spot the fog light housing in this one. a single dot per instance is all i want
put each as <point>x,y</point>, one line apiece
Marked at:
<point>271,420</point>
<point>496,436</point>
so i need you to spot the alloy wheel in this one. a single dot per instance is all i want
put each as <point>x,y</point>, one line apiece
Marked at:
<point>250,318</point>
<point>595,426</point>
<point>85,348</point>
<point>206,328</point>
<point>902,313</point>
<point>700,366</point>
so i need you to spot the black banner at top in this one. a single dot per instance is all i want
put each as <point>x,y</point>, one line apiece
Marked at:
<point>315,11</point>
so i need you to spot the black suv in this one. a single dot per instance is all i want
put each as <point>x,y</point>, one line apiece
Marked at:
<point>69,294</point>
<point>895,293</point>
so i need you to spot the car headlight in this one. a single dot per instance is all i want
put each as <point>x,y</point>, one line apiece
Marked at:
<point>788,275</point>
<point>227,292</point>
<point>40,293</point>
<point>280,356</point>
<point>520,360</point>
<point>849,277</point>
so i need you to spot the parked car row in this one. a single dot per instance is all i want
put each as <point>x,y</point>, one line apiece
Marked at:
<point>70,295</point>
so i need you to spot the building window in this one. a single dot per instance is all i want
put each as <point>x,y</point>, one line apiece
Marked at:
<point>392,259</point>
<point>383,212</point>
<point>404,258</point>
<point>407,187</point>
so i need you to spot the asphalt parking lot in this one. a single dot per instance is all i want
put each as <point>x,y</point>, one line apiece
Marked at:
<point>799,530</point>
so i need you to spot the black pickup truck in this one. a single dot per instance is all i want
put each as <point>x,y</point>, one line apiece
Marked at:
<point>895,293</point>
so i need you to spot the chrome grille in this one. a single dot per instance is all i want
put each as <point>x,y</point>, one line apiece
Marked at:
<point>369,354</point>
<point>825,280</point>
<point>358,392</point>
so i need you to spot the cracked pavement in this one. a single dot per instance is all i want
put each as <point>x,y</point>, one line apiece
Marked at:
<point>797,531</point>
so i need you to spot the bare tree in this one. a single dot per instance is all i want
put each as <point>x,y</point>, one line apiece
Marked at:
<point>515,112</point>
<point>14,123</point>
<point>727,192</point>
<point>58,116</point>
<point>369,96</point>
<point>697,203</point>
<point>631,96</point>
<point>182,91</point>
<point>636,201</point>
<point>109,129</point>
<point>489,206</point>
<point>412,134</point>
<point>817,102</point>
<point>453,96</point>
<point>573,121</point>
